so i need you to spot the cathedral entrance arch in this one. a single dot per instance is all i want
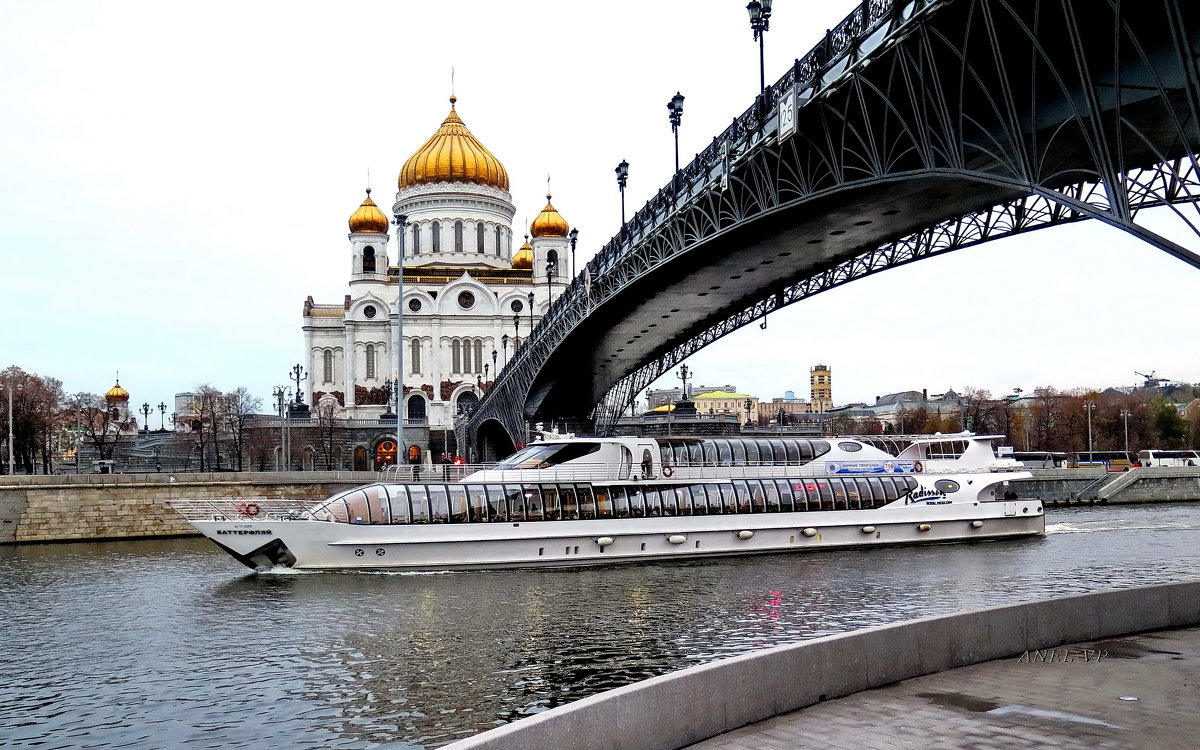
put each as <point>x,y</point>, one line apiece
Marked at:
<point>385,454</point>
<point>414,454</point>
<point>466,403</point>
<point>360,459</point>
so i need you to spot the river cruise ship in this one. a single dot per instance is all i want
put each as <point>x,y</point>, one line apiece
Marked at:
<point>582,501</point>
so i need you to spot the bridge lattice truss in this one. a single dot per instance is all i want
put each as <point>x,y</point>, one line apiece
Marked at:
<point>1077,134</point>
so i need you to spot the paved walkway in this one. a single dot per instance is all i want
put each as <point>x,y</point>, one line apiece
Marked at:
<point>1021,702</point>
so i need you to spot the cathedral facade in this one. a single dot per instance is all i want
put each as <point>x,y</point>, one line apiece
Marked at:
<point>469,300</point>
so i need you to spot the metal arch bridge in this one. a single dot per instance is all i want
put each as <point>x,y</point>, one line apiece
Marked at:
<point>915,128</point>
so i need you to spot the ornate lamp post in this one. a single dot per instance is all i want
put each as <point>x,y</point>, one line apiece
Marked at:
<point>282,395</point>
<point>12,470</point>
<point>1125,416</point>
<point>298,376</point>
<point>549,278</point>
<point>162,417</point>
<point>622,179</point>
<point>675,114</point>
<point>146,418</point>
<point>574,235</point>
<point>494,368</point>
<point>760,21</point>
<point>749,404</point>
<point>531,312</point>
<point>683,375</point>
<point>517,332</point>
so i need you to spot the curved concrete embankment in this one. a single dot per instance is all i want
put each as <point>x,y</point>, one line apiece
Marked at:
<point>681,708</point>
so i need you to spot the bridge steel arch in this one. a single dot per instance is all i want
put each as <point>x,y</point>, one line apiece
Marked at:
<point>918,127</point>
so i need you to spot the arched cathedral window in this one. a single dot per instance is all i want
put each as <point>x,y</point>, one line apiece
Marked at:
<point>437,236</point>
<point>552,259</point>
<point>499,249</point>
<point>456,356</point>
<point>370,361</point>
<point>479,356</point>
<point>368,259</point>
<point>327,366</point>
<point>458,236</point>
<point>416,243</point>
<point>479,231</point>
<point>415,356</point>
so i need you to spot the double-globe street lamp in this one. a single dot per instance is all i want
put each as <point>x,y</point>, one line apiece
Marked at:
<point>10,387</point>
<point>760,22</point>
<point>622,179</point>
<point>401,222</point>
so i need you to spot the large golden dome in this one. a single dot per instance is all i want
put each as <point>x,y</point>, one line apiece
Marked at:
<point>368,217</point>
<point>116,393</point>
<point>549,223</point>
<point>453,155</point>
<point>524,256</point>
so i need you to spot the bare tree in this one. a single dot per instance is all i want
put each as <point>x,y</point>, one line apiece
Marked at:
<point>99,424</point>
<point>206,409</point>
<point>328,411</point>
<point>237,407</point>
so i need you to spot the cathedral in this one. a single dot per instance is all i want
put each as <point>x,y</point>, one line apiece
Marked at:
<point>469,300</point>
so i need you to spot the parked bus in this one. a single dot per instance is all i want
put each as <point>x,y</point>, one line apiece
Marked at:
<point>1110,460</point>
<point>1041,459</point>
<point>1168,458</point>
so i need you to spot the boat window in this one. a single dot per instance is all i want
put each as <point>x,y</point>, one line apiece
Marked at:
<point>544,455</point>
<point>909,483</point>
<point>724,455</point>
<point>946,485</point>
<point>458,503</point>
<point>681,454</point>
<point>533,502</point>
<point>739,452</point>
<point>793,452</point>
<point>514,501</point>
<point>570,506</point>
<point>853,498</point>
<point>825,493</point>
<point>376,504</point>
<point>497,511</point>
<point>772,493</point>
<point>336,511</point>
<point>715,505</point>
<point>752,455</point>
<point>695,453</point>
<point>850,447</point>
<point>799,496</point>
<point>866,492</point>
<point>710,453</point>
<point>699,499</point>
<point>620,502</point>
<point>820,447</point>
<point>778,453</point>
<point>477,500</point>
<point>653,503</point>
<point>683,500</point>
<point>786,503</point>
<point>877,496</point>
<point>806,450</point>
<point>728,498</point>
<point>742,491</point>
<point>551,509</point>
<point>946,449</point>
<point>603,507</point>
<point>419,500</point>
<point>636,508</point>
<point>356,502</point>
<point>758,498</point>
<point>438,504</point>
<point>587,505</point>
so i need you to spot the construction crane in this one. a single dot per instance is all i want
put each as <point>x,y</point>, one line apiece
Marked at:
<point>1151,381</point>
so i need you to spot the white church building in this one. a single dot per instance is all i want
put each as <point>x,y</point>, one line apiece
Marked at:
<point>470,299</point>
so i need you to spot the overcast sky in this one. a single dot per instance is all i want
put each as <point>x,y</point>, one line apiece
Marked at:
<point>177,179</point>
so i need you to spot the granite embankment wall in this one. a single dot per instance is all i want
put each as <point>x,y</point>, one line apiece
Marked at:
<point>685,707</point>
<point>67,508</point>
<point>1138,485</point>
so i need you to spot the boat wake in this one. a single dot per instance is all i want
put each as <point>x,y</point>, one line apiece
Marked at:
<point>1111,525</point>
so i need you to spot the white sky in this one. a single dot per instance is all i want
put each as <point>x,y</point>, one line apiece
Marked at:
<point>177,179</point>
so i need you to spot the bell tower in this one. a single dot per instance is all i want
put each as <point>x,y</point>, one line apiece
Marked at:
<point>368,242</point>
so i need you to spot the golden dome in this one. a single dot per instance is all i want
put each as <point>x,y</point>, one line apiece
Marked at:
<point>368,218</point>
<point>453,155</point>
<point>116,393</point>
<point>524,256</point>
<point>549,223</point>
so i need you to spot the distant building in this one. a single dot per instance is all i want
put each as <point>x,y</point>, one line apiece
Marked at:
<point>788,404</point>
<point>820,378</point>
<point>741,405</point>
<point>664,396</point>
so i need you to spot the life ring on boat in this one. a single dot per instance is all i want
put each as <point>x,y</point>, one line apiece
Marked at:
<point>667,471</point>
<point>248,509</point>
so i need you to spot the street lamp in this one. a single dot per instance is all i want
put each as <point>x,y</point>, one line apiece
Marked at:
<point>504,346</point>
<point>282,395</point>
<point>146,418</point>
<point>675,114</point>
<point>162,417</point>
<point>622,179</point>
<point>1125,416</point>
<point>494,368</point>
<point>574,235</point>
<point>760,21</point>
<point>683,375</point>
<point>531,312</point>
<point>12,470</point>
<point>749,404</point>
<point>517,331</point>
<point>549,278</point>
<point>1090,406</point>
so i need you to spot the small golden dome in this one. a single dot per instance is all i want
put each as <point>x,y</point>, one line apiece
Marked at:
<point>453,155</point>
<point>368,217</point>
<point>524,256</point>
<point>549,223</point>
<point>116,393</point>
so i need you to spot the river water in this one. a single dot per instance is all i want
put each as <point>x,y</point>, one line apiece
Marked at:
<point>153,644</point>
